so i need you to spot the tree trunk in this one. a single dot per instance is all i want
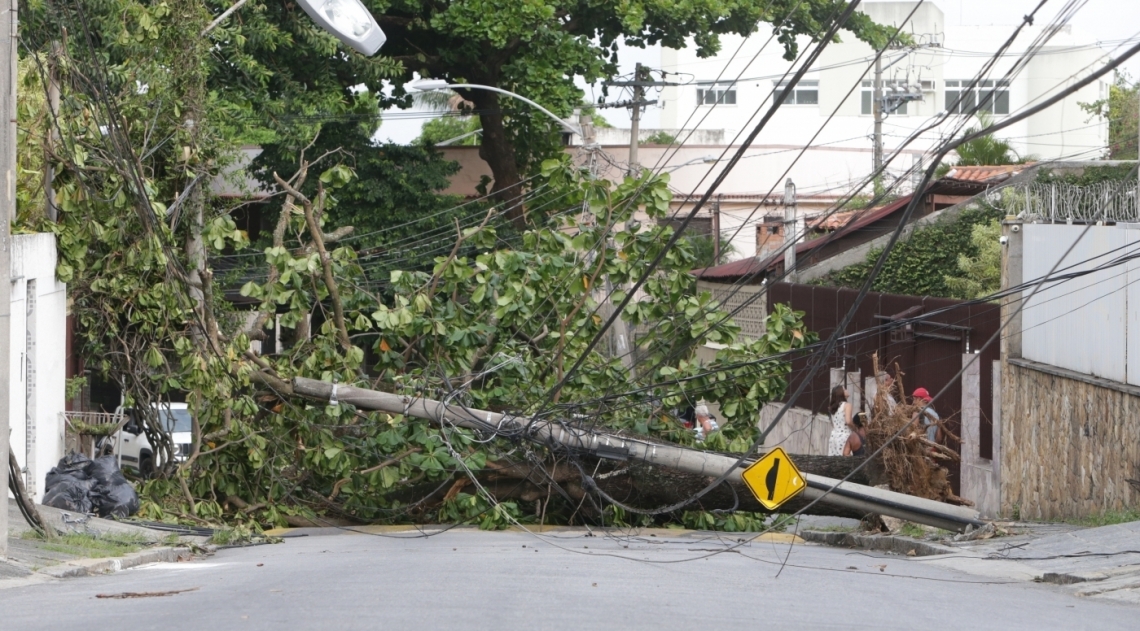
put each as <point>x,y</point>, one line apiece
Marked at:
<point>648,487</point>
<point>499,154</point>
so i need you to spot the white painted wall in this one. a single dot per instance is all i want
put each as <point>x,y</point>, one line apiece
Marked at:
<point>1063,130</point>
<point>37,386</point>
<point>1088,324</point>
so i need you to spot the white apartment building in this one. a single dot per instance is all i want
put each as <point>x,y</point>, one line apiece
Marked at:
<point>834,101</point>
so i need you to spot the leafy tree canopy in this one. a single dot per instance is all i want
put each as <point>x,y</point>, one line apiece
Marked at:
<point>978,274</point>
<point>1120,109</point>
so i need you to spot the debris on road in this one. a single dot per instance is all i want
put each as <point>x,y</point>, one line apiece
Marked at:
<point>147,594</point>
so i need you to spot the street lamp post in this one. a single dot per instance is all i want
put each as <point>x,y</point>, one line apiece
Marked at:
<point>428,85</point>
<point>347,20</point>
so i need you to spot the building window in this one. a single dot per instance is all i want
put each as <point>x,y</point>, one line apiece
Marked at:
<point>987,96</point>
<point>805,93</point>
<point>716,96</point>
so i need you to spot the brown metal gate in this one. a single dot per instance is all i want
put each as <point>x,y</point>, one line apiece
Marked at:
<point>928,351</point>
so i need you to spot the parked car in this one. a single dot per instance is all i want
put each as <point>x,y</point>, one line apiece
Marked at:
<point>134,449</point>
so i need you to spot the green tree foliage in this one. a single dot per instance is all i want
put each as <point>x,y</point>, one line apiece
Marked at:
<point>538,48</point>
<point>1120,108</point>
<point>151,111</point>
<point>986,150</point>
<point>33,132</point>
<point>978,275</point>
<point>920,265</point>
<point>1088,175</point>
<point>661,138</point>
<point>704,250</point>
<point>507,323</point>
<point>446,128</point>
<point>394,195</point>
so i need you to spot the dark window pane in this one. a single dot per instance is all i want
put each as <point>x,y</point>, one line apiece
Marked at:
<point>729,97</point>
<point>867,102</point>
<point>986,101</point>
<point>807,97</point>
<point>951,96</point>
<point>968,102</point>
<point>902,109</point>
<point>1001,103</point>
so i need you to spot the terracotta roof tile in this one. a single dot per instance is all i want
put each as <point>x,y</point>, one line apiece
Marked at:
<point>985,173</point>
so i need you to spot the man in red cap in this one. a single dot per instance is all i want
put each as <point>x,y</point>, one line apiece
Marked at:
<point>930,418</point>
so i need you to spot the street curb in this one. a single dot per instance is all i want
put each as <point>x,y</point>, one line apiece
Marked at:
<point>886,543</point>
<point>90,567</point>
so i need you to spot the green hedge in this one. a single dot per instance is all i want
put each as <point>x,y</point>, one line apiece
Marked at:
<point>919,265</point>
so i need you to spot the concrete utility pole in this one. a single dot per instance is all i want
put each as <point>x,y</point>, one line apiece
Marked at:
<point>604,444</point>
<point>53,137</point>
<point>641,80</point>
<point>791,233</point>
<point>8,24</point>
<point>716,230</point>
<point>635,119</point>
<point>877,112</point>
<point>621,342</point>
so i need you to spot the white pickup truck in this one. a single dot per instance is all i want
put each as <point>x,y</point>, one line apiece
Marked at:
<point>135,451</point>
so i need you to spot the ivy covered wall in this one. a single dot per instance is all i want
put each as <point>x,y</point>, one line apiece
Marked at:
<point>920,264</point>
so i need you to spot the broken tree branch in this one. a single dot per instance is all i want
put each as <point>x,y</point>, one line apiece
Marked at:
<point>326,262</point>
<point>581,440</point>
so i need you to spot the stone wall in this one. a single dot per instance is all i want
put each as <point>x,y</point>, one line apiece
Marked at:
<point>1070,442</point>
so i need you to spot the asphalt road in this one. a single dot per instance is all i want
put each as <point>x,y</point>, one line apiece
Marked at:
<point>466,579</point>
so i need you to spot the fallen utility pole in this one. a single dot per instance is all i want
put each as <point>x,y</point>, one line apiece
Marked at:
<point>847,495</point>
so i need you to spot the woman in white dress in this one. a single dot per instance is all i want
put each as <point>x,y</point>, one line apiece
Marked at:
<point>841,421</point>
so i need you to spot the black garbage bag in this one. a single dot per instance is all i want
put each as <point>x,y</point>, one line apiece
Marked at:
<point>112,495</point>
<point>69,493</point>
<point>103,470</point>
<point>67,486</point>
<point>73,464</point>
<point>115,500</point>
<point>54,478</point>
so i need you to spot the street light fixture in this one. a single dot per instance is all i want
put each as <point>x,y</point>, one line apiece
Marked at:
<point>428,85</point>
<point>349,21</point>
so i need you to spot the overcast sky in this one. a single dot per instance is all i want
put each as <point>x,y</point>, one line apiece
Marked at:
<point>1100,20</point>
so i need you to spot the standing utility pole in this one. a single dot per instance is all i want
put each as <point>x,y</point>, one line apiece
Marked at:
<point>791,234</point>
<point>716,230</point>
<point>8,40</point>
<point>53,136</point>
<point>621,342</point>
<point>635,118</point>
<point>877,111</point>
<point>641,80</point>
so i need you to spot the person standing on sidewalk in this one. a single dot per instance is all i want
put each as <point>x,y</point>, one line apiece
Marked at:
<point>930,419</point>
<point>841,421</point>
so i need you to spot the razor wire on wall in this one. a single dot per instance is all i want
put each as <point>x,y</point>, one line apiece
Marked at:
<point>1057,202</point>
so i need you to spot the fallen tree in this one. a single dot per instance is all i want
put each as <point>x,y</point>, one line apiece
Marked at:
<point>574,439</point>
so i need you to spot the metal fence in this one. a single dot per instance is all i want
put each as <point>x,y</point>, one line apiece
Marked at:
<point>1055,202</point>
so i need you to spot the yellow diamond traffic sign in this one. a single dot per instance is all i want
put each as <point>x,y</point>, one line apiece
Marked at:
<point>773,479</point>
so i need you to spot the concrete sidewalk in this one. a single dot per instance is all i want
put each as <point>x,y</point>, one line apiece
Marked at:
<point>1099,562</point>
<point>33,560</point>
